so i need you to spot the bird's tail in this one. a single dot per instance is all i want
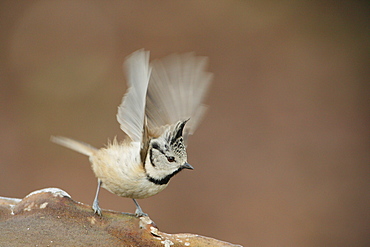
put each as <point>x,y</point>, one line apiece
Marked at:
<point>80,147</point>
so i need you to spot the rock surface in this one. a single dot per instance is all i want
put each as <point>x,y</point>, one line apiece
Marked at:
<point>49,217</point>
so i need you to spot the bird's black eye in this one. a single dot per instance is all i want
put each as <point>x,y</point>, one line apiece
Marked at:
<point>171,159</point>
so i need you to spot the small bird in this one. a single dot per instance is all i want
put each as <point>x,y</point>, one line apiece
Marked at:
<point>162,107</point>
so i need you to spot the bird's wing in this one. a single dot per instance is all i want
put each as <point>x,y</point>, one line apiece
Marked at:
<point>177,87</point>
<point>132,109</point>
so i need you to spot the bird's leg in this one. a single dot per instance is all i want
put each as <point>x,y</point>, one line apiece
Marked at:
<point>138,212</point>
<point>95,205</point>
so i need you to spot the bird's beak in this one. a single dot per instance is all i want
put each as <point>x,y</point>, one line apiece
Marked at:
<point>186,165</point>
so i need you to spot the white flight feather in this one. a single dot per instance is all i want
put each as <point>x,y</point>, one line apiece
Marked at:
<point>132,109</point>
<point>177,88</point>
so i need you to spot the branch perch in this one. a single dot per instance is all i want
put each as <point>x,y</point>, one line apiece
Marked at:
<point>49,217</point>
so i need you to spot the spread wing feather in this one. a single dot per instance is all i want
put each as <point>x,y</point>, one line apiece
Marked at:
<point>177,87</point>
<point>132,109</point>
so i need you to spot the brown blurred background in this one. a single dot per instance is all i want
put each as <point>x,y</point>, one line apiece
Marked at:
<point>281,158</point>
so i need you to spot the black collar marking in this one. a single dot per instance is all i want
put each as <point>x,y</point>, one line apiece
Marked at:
<point>164,180</point>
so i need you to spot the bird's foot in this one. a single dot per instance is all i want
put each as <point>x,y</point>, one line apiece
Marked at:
<point>96,208</point>
<point>139,213</point>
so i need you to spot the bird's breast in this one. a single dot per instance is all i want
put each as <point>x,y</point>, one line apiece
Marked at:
<point>122,173</point>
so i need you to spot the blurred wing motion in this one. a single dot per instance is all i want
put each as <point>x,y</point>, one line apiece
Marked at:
<point>177,87</point>
<point>132,109</point>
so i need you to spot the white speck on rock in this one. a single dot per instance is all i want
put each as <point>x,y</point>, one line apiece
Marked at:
<point>145,220</point>
<point>187,244</point>
<point>29,207</point>
<point>44,205</point>
<point>167,243</point>
<point>12,202</point>
<point>92,220</point>
<point>12,209</point>
<point>155,232</point>
<point>55,191</point>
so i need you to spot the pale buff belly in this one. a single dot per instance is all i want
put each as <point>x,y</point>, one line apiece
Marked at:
<point>133,189</point>
<point>123,179</point>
